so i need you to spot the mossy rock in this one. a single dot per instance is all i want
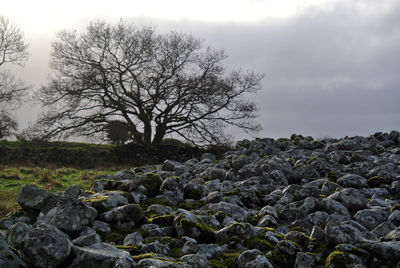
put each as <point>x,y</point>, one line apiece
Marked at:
<point>164,220</point>
<point>337,259</point>
<point>151,181</point>
<point>260,244</point>
<point>114,237</point>
<point>200,231</point>
<point>96,202</point>
<point>133,250</point>
<point>217,263</point>
<point>376,181</point>
<point>139,257</point>
<point>395,207</point>
<point>253,220</point>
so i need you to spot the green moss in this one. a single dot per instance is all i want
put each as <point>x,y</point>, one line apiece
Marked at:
<point>216,263</point>
<point>176,252</point>
<point>259,243</point>
<point>95,200</point>
<point>336,258</point>
<point>269,229</point>
<point>191,206</point>
<point>376,181</point>
<point>164,220</point>
<point>137,258</point>
<point>133,250</point>
<point>253,220</point>
<point>395,207</point>
<point>114,237</point>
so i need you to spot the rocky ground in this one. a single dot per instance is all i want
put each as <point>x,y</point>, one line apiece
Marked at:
<point>294,202</point>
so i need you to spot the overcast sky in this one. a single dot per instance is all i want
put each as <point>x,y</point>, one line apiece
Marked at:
<point>332,67</point>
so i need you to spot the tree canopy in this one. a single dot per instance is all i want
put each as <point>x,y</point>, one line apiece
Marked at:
<point>13,50</point>
<point>158,84</point>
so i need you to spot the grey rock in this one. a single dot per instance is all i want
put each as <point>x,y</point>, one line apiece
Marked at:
<point>133,239</point>
<point>304,260</point>
<point>73,192</point>
<point>31,197</point>
<point>150,263</point>
<point>8,258</point>
<point>317,233</point>
<point>86,240</point>
<point>241,230</point>
<point>236,212</point>
<point>126,213</point>
<point>318,218</point>
<point>329,188</point>
<point>383,229</point>
<point>194,191</point>
<point>195,260</point>
<point>253,258</point>
<point>101,227</point>
<point>371,218</point>
<point>351,198</point>
<point>150,181</point>
<point>68,214</point>
<point>190,247</point>
<point>343,233</point>
<point>155,247</point>
<point>388,250</point>
<point>101,255</point>
<point>352,181</point>
<point>40,246</point>
<point>210,250</point>
<point>394,218</point>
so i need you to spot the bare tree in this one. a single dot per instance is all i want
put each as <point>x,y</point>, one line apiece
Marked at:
<point>157,84</point>
<point>13,50</point>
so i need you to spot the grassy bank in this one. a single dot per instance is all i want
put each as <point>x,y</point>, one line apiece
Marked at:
<point>50,178</point>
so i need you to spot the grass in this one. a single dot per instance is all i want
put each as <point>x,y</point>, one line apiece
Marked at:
<point>51,178</point>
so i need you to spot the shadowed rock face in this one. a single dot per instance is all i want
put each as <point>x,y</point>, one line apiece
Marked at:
<point>267,203</point>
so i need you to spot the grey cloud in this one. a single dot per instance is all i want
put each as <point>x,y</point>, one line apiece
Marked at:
<point>328,72</point>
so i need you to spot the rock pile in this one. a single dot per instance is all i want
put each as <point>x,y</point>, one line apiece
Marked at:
<point>294,202</point>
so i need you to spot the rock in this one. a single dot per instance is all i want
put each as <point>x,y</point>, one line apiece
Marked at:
<point>101,255</point>
<point>101,227</point>
<point>195,260</point>
<point>244,231</point>
<point>68,214</point>
<point>371,218</point>
<point>383,229</point>
<point>127,213</point>
<point>40,246</point>
<point>133,239</point>
<point>31,197</point>
<point>236,212</point>
<point>150,181</point>
<point>188,224</point>
<point>73,192</point>
<point>210,250</point>
<point>8,258</point>
<point>155,247</point>
<point>194,191</point>
<point>394,218</point>
<point>352,181</point>
<point>149,262</point>
<point>388,250</point>
<point>342,233</point>
<point>304,260</point>
<point>253,258</point>
<point>351,198</point>
<point>86,240</point>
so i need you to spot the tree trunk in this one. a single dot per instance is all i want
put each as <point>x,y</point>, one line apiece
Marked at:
<point>147,133</point>
<point>160,133</point>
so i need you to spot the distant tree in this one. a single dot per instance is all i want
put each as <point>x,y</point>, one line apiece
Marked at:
<point>117,132</point>
<point>158,84</point>
<point>13,50</point>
